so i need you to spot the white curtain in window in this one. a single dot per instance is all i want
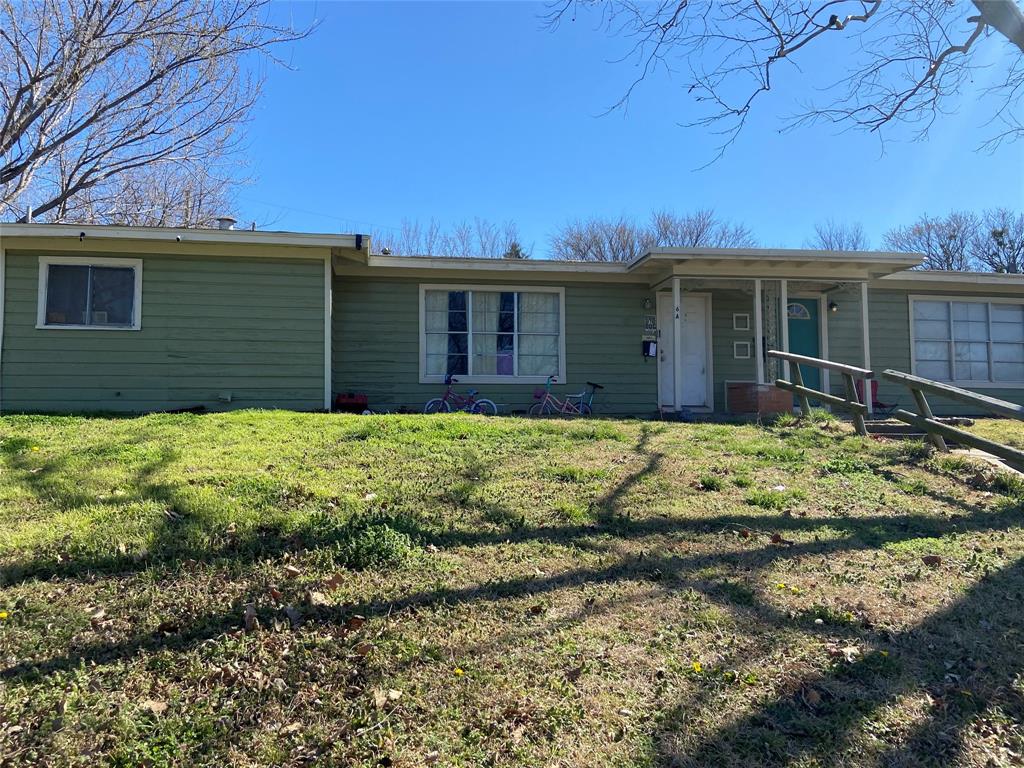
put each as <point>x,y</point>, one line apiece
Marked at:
<point>539,327</point>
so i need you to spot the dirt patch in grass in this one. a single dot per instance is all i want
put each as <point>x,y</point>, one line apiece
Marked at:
<point>265,588</point>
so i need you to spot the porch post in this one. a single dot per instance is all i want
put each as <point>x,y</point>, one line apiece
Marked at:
<point>677,344</point>
<point>758,332</point>
<point>865,329</point>
<point>784,322</point>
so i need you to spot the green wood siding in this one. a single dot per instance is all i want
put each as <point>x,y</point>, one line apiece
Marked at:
<point>726,366</point>
<point>375,336</point>
<point>253,328</point>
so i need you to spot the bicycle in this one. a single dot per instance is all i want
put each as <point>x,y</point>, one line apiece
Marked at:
<point>573,405</point>
<point>452,400</point>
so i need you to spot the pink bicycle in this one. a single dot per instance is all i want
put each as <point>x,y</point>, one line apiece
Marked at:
<point>572,405</point>
<point>453,401</point>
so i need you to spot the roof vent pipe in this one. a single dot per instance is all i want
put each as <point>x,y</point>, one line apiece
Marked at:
<point>226,222</point>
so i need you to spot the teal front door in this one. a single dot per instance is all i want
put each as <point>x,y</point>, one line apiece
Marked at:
<point>804,336</point>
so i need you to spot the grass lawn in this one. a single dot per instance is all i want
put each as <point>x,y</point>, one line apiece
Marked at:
<point>268,588</point>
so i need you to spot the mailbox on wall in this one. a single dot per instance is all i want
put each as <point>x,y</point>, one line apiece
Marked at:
<point>650,348</point>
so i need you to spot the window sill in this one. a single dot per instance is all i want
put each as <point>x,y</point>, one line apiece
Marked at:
<point>88,327</point>
<point>491,380</point>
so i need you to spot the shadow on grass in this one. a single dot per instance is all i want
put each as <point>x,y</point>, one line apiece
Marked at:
<point>980,632</point>
<point>964,662</point>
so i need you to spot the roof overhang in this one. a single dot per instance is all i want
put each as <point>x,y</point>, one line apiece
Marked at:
<point>934,280</point>
<point>88,237</point>
<point>772,263</point>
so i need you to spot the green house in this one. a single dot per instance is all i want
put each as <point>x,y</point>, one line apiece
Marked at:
<point>101,318</point>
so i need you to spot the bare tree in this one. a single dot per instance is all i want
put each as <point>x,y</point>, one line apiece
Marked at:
<point>701,229</point>
<point>156,196</point>
<point>831,235</point>
<point>947,242</point>
<point>999,244</point>
<point>140,98</point>
<point>599,239</point>
<point>902,60</point>
<point>479,238</point>
<point>622,239</point>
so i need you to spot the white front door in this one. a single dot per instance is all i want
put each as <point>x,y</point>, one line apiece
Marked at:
<point>696,362</point>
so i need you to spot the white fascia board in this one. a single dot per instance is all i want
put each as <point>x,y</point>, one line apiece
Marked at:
<point>495,265</point>
<point>956,278</point>
<point>186,235</point>
<point>888,258</point>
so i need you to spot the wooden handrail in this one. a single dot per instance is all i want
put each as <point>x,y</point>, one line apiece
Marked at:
<point>817,362</point>
<point>937,431</point>
<point>990,404</point>
<point>1011,456</point>
<point>850,403</point>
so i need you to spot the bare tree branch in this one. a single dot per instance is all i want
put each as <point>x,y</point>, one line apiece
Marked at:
<point>902,60</point>
<point>621,239</point>
<point>152,90</point>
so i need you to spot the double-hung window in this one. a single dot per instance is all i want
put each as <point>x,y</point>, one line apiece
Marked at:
<point>491,333</point>
<point>96,294</point>
<point>968,341</point>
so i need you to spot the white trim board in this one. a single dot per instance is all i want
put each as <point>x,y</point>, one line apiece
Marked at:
<point>328,311</point>
<point>425,378</point>
<point>3,294</point>
<point>87,261</point>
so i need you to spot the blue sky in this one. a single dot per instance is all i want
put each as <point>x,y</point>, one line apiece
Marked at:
<point>455,110</point>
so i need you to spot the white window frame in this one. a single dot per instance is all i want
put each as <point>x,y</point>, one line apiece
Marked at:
<point>87,261</point>
<point>426,378</point>
<point>971,383</point>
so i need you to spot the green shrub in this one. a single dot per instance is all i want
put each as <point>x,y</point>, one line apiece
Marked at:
<point>1008,484</point>
<point>774,500</point>
<point>359,542</point>
<point>710,482</point>
<point>844,465</point>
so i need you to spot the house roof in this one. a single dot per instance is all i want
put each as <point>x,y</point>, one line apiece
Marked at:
<point>184,235</point>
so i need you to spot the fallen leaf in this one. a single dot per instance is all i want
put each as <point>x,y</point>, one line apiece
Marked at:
<point>933,560</point>
<point>363,649</point>
<point>432,756</point>
<point>777,539</point>
<point>156,707</point>
<point>379,698</point>
<point>291,571</point>
<point>274,592</point>
<point>370,497</point>
<point>292,728</point>
<point>334,582</point>
<point>811,698</point>
<point>355,622</point>
<point>394,694</point>
<point>249,618</point>
<point>744,533</point>
<point>536,609</point>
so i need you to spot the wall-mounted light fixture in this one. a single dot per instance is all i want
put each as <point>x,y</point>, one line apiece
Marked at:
<point>833,307</point>
<point>648,303</point>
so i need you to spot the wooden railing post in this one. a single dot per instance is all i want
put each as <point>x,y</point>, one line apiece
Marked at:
<point>925,410</point>
<point>798,379</point>
<point>938,432</point>
<point>851,395</point>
